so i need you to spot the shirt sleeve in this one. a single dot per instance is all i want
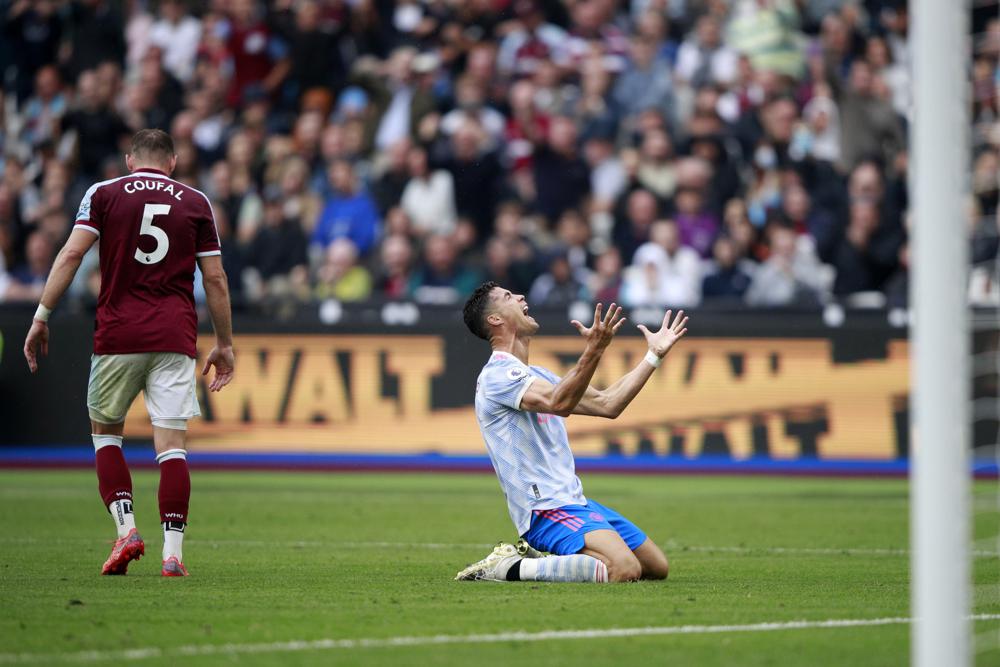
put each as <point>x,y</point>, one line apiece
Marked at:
<point>208,243</point>
<point>506,384</point>
<point>88,216</point>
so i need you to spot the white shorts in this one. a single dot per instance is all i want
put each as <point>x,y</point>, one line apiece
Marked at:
<point>167,380</point>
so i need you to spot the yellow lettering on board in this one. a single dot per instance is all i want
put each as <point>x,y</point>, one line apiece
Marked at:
<point>317,392</point>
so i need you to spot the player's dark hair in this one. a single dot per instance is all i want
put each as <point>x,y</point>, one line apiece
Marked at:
<point>476,308</point>
<point>152,144</point>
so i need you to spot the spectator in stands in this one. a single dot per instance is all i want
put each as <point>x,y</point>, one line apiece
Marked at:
<point>526,127</point>
<point>429,196</point>
<point>607,173</point>
<point>788,277</point>
<point>477,174</point>
<point>470,103</point>
<point>698,226</point>
<point>532,42</point>
<point>663,272</point>
<point>765,30</point>
<point>28,279</point>
<point>862,265</point>
<point>349,212</point>
<point>314,51</point>
<point>726,282</point>
<point>574,235</point>
<point>606,279</point>
<point>98,35</point>
<point>797,208</point>
<point>504,269</point>
<point>391,173</point>
<point>99,131</point>
<point>340,276</point>
<point>177,34</point>
<point>395,267</point>
<point>562,178</point>
<point>259,57</point>
<point>657,171</point>
<point>646,83</point>
<point>442,279</point>
<point>34,31</point>
<point>703,58</point>
<point>868,122</point>
<point>276,256</point>
<point>559,285</point>
<point>44,110</point>
<point>632,225</point>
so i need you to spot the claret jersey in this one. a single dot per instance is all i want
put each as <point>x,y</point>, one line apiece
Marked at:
<point>151,228</point>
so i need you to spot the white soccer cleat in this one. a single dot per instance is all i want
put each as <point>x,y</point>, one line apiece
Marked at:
<point>494,567</point>
<point>528,551</point>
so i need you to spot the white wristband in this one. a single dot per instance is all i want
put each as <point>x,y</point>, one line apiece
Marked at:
<point>653,360</point>
<point>42,314</point>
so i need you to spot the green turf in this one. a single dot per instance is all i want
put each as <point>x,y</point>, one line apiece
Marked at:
<point>278,557</point>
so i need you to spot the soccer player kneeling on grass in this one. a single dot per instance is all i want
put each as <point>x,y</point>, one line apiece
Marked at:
<point>151,230</point>
<point>520,409</point>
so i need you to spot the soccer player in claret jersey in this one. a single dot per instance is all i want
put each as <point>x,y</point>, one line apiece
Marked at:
<point>520,409</point>
<point>151,230</point>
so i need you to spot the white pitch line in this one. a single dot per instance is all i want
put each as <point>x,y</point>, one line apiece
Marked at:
<point>669,546</point>
<point>194,650</point>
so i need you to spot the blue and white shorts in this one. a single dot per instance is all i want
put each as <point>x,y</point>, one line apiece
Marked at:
<point>560,531</point>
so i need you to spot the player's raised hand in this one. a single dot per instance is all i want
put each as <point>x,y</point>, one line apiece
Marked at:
<point>604,327</point>
<point>224,361</point>
<point>661,341</point>
<point>37,340</point>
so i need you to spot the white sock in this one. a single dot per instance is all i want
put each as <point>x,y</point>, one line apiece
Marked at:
<point>574,568</point>
<point>121,512</point>
<point>173,540</point>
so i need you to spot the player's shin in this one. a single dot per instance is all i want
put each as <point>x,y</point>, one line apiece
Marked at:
<point>114,481</point>
<point>174,495</point>
<point>566,569</point>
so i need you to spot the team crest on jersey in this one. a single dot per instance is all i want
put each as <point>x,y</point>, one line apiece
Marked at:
<point>516,373</point>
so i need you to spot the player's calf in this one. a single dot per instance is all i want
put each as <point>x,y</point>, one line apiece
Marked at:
<point>174,497</point>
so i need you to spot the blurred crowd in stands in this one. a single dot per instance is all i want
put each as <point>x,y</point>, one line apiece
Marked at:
<point>652,152</point>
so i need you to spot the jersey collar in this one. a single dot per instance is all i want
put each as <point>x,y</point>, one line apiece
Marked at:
<point>148,170</point>
<point>497,354</point>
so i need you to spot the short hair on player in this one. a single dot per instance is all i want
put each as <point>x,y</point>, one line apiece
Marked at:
<point>152,145</point>
<point>476,309</point>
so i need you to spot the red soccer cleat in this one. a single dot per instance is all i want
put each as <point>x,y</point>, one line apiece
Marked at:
<point>174,568</point>
<point>128,548</point>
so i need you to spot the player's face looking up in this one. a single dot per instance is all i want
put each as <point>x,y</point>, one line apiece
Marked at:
<point>510,311</point>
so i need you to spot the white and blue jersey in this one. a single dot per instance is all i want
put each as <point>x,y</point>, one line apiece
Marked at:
<point>530,451</point>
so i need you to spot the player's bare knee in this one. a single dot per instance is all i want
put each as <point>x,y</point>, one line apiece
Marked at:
<point>624,568</point>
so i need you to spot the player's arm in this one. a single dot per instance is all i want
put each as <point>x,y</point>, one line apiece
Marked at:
<point>562,398</point>
<point>216,285</point>
<point>611,401</point>
<point>63,271</point>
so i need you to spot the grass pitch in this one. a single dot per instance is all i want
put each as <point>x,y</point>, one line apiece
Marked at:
<point>281,558</point>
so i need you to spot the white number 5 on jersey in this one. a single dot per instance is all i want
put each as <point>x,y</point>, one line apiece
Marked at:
<point>149,229</point>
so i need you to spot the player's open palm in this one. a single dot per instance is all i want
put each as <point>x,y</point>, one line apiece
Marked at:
<point>36,341</point>
<point>224,361</point>
<point>604,328</point>
<point>661,341</point>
